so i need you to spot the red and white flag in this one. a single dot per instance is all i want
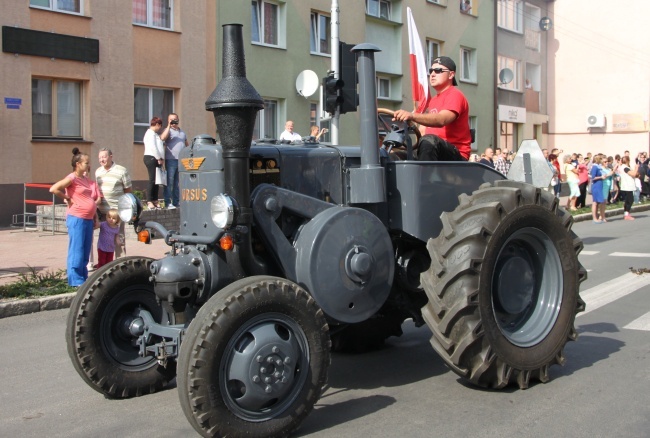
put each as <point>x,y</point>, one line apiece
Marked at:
<point>419,76</point>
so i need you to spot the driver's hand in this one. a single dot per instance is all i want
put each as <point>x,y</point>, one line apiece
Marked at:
<point>403,116</point>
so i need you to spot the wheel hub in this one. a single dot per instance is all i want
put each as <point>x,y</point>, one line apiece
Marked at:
<point>271,371</point>
<point>263,369</point>
<point>516,275</point>
<point>527,287</point>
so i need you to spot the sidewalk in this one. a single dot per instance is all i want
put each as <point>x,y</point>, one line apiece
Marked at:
<point>20,250</point>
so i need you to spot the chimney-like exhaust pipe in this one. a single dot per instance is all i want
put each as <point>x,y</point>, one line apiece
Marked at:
<point>235,103</point>
<point>367,183</point>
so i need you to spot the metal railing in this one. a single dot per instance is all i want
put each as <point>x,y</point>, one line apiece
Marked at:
<point>27,215</point>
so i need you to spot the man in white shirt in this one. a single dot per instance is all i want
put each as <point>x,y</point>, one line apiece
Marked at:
<point>288,134</point>
<point>113,181</point>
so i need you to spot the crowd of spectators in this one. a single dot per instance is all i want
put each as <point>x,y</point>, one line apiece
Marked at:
<point>609,180</point>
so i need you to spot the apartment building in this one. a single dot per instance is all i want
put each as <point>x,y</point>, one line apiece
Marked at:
<point>83,73</point>
<point>522,52</point>
<point>86,74</point>
<point>288,37</point>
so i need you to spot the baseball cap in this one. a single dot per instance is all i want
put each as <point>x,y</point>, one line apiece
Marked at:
<point>447,62</point>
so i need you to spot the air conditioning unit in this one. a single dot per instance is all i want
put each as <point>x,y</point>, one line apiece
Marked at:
<point>596,121</point>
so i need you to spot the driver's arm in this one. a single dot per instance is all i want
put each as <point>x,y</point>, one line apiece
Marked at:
<point>434,120</point>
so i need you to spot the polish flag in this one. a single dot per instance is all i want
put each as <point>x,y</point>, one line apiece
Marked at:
<point>419,76</point>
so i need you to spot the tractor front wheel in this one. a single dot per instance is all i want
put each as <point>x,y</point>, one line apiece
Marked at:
<point>254,360</point>
<point>102,348</point>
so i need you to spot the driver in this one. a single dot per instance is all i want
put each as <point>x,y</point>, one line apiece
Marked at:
<point>446,118</point>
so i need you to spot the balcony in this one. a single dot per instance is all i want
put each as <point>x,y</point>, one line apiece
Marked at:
<point>531,98</point>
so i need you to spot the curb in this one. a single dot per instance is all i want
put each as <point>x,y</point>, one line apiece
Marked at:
<point>54,302</point>
<point>32,305</point>
<point>613,212</point>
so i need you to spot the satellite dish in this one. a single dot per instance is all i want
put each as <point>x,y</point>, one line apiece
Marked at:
<point>506,76</point>
<point>545,23</point>
<point>307,83</point>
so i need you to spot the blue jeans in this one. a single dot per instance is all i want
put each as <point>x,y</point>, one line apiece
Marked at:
<point>171,189</point>
<point>80,233</point>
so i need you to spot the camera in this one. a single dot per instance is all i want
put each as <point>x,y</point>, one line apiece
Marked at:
<point>174,122</point>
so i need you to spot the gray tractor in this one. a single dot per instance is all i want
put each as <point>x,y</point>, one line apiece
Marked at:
<point>286,253</point>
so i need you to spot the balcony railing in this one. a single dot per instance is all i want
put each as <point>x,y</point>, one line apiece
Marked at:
<point>531,98</point>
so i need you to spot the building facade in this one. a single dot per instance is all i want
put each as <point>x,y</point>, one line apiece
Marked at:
<point>522,71</point>
<point>288,37</point>
<point>82,73</point>
<point>150,58</point>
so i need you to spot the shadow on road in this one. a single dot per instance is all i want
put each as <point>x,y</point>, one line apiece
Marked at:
<point>326,416</point>
<point>589,350</point>
<point>402,361</point>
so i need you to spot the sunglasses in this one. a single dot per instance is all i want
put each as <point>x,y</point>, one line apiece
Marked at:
<point>437,71</point>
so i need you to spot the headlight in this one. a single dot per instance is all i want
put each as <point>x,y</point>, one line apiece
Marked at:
<point>129,207</point>
<point>222,211</point>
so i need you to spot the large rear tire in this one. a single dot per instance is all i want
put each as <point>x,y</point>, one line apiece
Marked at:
<point>254,360</point>
<point>101,349</point>
<point>503,285</point>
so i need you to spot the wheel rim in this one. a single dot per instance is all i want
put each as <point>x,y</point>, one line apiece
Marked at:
<point>116,338</point>
<point>265,366</point>
<point>527,287</point>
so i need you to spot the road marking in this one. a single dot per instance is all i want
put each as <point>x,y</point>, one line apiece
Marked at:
<point>583,252</point>
<point>630,254</point>
<point>612,290</point>
<point>642,323</point>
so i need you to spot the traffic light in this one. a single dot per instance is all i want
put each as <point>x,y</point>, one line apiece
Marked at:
<point>332,98</point>
<point>348,74</point>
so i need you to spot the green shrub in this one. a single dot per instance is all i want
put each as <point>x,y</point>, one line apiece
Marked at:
<point>37,284</point>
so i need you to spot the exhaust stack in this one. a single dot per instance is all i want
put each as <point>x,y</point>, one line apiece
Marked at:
<point>235,103</point>
<point>367,183</point>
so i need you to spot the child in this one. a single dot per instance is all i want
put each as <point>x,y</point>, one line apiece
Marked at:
<point>108,233</point>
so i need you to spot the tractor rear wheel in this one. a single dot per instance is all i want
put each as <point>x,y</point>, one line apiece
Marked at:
<point>102,349</point>
<point>503,285</point>
<point>254,359</point>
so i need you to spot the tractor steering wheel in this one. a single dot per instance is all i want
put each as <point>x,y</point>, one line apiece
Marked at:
<point>412,127</point>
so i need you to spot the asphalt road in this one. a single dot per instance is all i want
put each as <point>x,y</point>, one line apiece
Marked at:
<point>401,390</point>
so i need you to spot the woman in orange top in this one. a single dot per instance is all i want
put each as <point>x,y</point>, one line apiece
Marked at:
<point>78,193</point>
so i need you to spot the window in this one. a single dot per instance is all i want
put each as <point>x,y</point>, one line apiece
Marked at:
<point>56,108</point>
<point>466,7</point>
<point>515,66</point>
<point>510,15</point>
<point>320,34</point>
<point>508,139</point>
<point>265,23</point>
<point>153,13</point>
<point>378,8</point>
<point>266,125</point>
<point>74,6</point>
<point>433,51</point>
<point>150,102</point>
<point>438,2</point>
<point>383,87</point>
<point>468,65</point>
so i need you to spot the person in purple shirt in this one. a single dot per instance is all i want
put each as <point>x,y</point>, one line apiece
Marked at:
<point>108,232</point>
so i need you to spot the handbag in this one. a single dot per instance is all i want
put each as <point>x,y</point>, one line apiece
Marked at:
<point>161,176</point>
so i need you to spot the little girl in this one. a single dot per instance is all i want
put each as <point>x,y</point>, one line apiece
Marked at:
<point>108,233</point>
